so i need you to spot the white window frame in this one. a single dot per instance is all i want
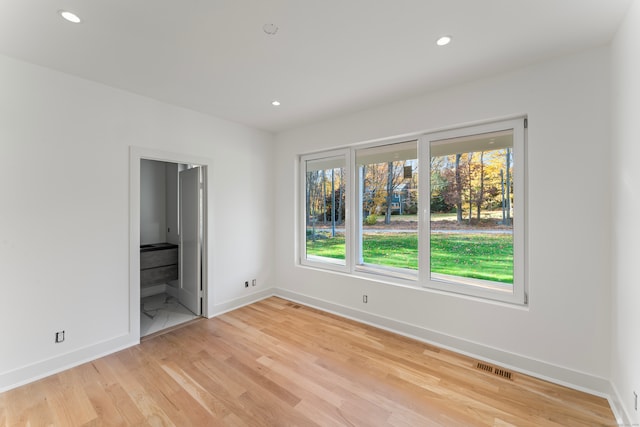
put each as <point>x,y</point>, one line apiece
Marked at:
<point>484,289</point>
<point>403,275</point>
<point>515,294</point>
<point>321,262</point>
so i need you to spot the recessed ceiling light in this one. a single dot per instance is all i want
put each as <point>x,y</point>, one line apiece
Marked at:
<point>443,41</point>
<point>70,16</point>
<point>275,103</point>
<point>270,29</point>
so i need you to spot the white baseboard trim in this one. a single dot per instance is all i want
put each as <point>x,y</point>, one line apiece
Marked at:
<point>619,411</point>
<point>546,371</point>
<point>42,369</point>
<point>236,303</point>
<point>27,374</point>
<point>535,368</point>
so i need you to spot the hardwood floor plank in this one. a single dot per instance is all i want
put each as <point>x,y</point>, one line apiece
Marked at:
<point>30,406</point>
<point>292,377</point>
<point>118,397</point>
<point>279,363</point>
<point>104,407</point>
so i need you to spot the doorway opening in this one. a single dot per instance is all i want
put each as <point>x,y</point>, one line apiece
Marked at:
<point>168,240</point>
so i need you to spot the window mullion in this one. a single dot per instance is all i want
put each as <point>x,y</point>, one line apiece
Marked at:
<point>350,213</point>
<point>358,215</point>
<point>424,214</point>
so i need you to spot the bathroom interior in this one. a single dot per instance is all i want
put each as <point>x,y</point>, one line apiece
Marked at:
<point>160,304</point>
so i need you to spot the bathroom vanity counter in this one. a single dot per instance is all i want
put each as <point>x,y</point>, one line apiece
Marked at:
<point>158,263</point>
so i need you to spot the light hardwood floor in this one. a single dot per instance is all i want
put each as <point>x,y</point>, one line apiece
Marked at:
<point>277,363</point>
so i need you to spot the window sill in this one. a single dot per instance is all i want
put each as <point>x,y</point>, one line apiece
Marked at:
<point>449,280</point>
<point>391,272</point>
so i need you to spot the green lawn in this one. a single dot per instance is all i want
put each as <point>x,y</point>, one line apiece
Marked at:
<point>391,249</point>
<point>326,246</point>
<point>480,256</point>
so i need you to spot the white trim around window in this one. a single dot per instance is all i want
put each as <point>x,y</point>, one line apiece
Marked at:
<point>503,134</point>
<point>397,154</point>
<point>508,134</point>
<point>319,165</point>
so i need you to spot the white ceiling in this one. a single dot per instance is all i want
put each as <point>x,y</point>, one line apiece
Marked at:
<point>329,57</point>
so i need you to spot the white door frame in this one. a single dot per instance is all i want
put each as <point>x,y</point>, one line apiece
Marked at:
<point>136,154</point>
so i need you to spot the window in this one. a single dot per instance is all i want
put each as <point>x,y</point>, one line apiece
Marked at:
<point>325,209</point>
<point>464,235</point>
<point>387,208</point>
<point>475,210</point>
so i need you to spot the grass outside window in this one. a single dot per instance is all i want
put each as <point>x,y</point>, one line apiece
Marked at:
<point>479,256</point>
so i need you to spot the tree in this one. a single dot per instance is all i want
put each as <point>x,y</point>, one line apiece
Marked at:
<point>374,193</point>
<point>480,193</point>
<point>324,197</point>
<point>468,180</point>
<point>325,194</point>
<point>439,185</point>
<point>493,164</point>
<point>389,195</point>
<point>381,180</point>
<point>469,183</point>
<point>508,179</point>
<point>453,193</point>
<point>313,192</point>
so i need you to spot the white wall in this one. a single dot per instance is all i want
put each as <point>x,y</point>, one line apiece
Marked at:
<point>625,198</point>
<point>153,202</point>
<point>171,174</point>
<point>64,212</point>
<point>159,201</point>
<point>564,333</point>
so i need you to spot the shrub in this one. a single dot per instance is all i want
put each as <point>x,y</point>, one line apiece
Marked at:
<point>412,209</point>
<point>371,220</point>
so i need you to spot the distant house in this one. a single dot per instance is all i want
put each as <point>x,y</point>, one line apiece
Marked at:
<point>401,201</point>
